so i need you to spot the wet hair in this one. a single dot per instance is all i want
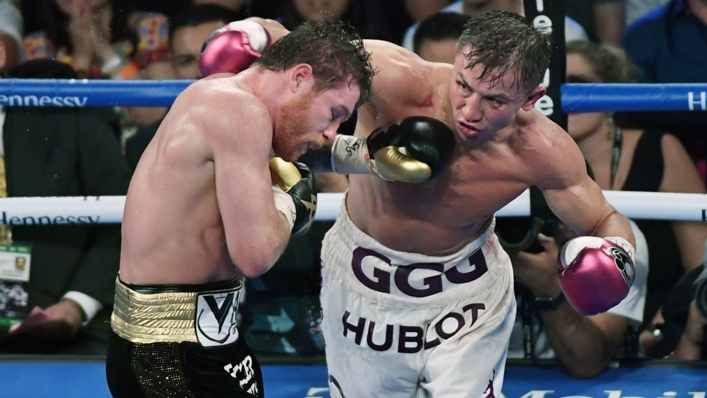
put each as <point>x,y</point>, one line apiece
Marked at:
<point>609,62</point>
<point>331,47</point>
<point>440,26</point>
<point>503,41</point>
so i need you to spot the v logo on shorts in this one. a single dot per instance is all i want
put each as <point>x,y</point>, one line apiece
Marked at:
<point>216,318</point>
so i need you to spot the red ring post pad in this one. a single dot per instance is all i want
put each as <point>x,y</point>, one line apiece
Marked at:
<point>576,97</point>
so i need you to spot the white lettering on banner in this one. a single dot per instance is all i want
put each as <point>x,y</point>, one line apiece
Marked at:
<point>609,394</point>
<point>543,22</point>
<point>33,100</point>
<point>48,220</point>
<point>537,394</point>
<point>317,392</point>
<point>691,100</point>
<point>545,105</point>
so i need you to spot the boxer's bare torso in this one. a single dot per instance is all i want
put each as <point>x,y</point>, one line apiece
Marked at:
<point>177,203</point>
<point>441,216</point>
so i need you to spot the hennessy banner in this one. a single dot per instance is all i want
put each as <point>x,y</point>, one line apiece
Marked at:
<point>550,14</point>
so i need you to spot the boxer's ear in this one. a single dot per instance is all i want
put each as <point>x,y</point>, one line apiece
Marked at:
<point>301,76</point>
<point>533,97</point>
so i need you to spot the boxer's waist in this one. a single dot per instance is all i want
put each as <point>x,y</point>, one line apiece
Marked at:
<point>175,313</point>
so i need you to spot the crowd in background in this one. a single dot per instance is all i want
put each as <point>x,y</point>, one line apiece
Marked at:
<point>66,300</point>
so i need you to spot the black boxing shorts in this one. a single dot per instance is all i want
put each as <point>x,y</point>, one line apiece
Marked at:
<point>179,341</point>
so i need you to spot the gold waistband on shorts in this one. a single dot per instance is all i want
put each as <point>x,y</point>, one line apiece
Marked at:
<point>154,318</point>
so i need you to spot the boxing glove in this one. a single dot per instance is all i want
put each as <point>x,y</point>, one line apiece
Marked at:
<point>233,48</point>
<point>418,149</point>
<point>596,273</point>
<point>294,193</point>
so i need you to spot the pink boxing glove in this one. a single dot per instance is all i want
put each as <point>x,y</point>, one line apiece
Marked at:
<point>233,48</point>
<point>597,273</point>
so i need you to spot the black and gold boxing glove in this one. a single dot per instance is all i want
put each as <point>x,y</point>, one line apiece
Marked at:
<point>294,193</point>
<point>418,149</point>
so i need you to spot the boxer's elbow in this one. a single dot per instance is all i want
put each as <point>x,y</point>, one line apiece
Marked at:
<point>257,256</point>
<point>254,270</point>
<point>587,371</point>
<point>254,265</point>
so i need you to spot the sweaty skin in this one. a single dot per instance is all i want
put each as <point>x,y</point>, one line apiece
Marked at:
<point>200,206</point>
<point>491,167</point>
<point>173,228</point>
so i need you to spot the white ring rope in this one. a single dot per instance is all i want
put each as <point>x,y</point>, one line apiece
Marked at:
<point>109,209</point>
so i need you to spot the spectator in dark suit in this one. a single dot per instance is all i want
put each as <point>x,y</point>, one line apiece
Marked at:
<point>63,152</point>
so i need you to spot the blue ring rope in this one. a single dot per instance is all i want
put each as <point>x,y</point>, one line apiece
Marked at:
<point>575,97</point>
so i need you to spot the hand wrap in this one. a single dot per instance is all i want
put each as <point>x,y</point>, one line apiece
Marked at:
<point>418,149</point>
<point>294,193</point>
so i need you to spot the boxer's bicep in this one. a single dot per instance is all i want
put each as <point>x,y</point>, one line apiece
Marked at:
<point>402,82</point>
<point>571,194</point>
<point>255,231</point>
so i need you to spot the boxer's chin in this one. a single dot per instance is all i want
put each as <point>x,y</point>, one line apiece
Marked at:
<point>290,150</point>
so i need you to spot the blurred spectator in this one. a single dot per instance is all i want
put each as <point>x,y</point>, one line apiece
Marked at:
<point>603,20</point>
<point>548,327</point>
<point>93,36</point>
<point>364,15</point>
<point>692,346</point>
<point>401,14</point>
<point>63,151</point>
<point>637,8</point>
<point>233,5</point>
<point>152,60</point>
<point>573,31</point>
<point>436,38</point>
<point>187,32</point>
<point>682,334</point>
<point>635,160</point>
<point>420,10</point>
<point>102,39</point>
<point>11,29</point>
<point>669,45</point>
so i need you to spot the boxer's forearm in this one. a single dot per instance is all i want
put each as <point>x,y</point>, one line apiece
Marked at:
<point>579,344</point>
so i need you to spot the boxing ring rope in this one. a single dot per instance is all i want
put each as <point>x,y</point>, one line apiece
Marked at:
<point>575,97</point>
<point>109,209</point>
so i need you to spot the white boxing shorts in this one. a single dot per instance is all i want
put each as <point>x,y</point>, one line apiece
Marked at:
<point>402,324</point>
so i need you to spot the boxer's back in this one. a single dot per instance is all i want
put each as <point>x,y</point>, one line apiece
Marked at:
<point>172,226</point>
